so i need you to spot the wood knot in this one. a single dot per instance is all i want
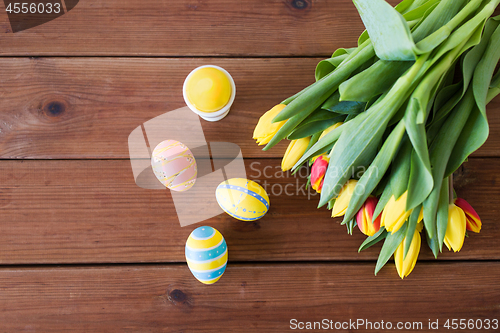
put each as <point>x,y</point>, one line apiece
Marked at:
<point>54,109</point>
<point>177,296</point>
<point>300,4</point>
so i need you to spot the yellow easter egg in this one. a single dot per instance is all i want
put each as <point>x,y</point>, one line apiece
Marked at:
<point>206,254</point>
<point>243,199</point>
<point>208,89</point>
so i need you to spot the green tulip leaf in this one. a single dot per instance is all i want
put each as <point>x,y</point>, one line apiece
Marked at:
<point>440,152</point>
<point>476,129</point>
<point>331,101</point>
<point>327,66</point>
<point>348,108</point>
<point>433,244</point>
<point>350,226</point>
<point>314,97</point>
<point>442,213</point>
<point>330,204</point>
<point>420,181</point>
<point>375,80</point>
<point>311,128</point>
<point>373,175</point>
<point>358,144</point>
<point>437,24</point>
<point>391,243</point>
<point>400,172</point>
<point>408,5</point>
<point>392,40</point>
<point>485,69</point>
<point>319,147</point>
<point>494,88</point>
<point>372,240</point>
<point>419,12</point>
<point>363,38</point>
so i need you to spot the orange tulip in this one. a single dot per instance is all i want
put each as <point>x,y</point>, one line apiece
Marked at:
<point>318,171</point>
<point>364,217</point>
<point>473,221</point>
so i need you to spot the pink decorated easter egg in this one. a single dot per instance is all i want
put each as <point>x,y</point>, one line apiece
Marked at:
<point>174,165</point>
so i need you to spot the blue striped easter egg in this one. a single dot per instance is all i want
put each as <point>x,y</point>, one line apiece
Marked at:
<point>206,254</point>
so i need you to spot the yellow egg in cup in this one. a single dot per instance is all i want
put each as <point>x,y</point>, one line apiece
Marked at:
<point>209,91</point>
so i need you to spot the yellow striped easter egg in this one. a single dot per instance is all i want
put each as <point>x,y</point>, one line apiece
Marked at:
<point>243,199</point>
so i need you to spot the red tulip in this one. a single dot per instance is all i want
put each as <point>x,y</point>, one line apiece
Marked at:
<point>473,221</point>
<point>364,217</point>
<point>318,171</point>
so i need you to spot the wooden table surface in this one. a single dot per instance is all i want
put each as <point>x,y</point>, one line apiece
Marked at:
<point>84,249</point>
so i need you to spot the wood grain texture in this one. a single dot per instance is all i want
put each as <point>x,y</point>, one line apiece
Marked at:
<point>257,298</point>
<point>91,211</point>
<point>81,108</point>
<point>191,28</point>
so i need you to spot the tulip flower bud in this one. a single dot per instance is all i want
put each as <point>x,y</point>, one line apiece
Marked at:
<point>294,152</point>
<point>329,129</point>
<point>404,265</point>
<point>342,201</point>
<point>455,230</point>
<point>318,171</point>
<point>473,221</point>
<point>394,214</point>
<point>364,217</point>
<point>266,129</point>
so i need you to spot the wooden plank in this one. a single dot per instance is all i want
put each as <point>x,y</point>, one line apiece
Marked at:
<point>197,28</point>
<point>91,211</point>
<point>256,298</point>
<point>87,107</point>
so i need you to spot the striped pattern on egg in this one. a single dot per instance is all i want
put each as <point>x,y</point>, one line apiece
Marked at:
<point>206,254</point>
<point>174,165</point>
<point>243,199</point>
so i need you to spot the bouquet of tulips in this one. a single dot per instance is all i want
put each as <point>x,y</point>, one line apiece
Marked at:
<point>387,123</point>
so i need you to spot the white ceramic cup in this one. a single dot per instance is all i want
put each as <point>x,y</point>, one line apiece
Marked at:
<point>211,116</point>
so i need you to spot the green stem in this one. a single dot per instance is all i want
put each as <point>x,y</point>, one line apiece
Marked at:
<point>450,189</point>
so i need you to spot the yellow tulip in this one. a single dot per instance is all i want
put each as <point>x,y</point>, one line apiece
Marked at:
<point>342,201</point>
<point>455,231</point>
<point>394,214</point>
<point>294,152</point>
<point>266,129</point>
<point>329,129</point>
<point>404,266</point>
